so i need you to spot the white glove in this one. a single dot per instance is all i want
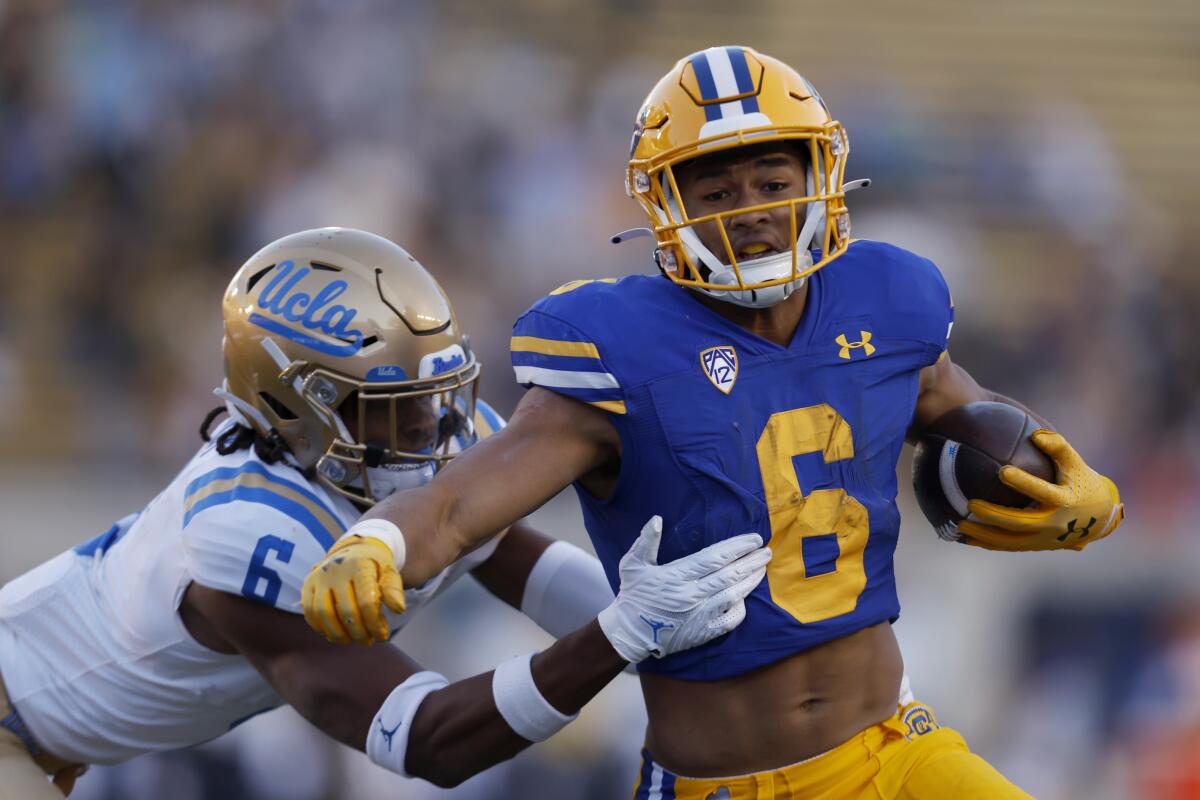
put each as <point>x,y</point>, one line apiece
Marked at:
<point>664,609</point>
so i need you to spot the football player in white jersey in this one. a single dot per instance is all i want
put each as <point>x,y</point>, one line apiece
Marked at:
<point>347,378</point>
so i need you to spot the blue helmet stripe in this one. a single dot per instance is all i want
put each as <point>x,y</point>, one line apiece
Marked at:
<point>708,87</point>
<point>741,70</point>
<point>741,73</point>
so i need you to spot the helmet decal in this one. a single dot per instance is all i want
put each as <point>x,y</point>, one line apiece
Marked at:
<point>321,323</point>
<point>312,312</point>
<point>442,361</point>
<point>386,373</point>
<point>721,75</point>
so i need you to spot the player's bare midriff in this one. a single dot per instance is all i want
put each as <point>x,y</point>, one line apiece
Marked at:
<point>777,715</point>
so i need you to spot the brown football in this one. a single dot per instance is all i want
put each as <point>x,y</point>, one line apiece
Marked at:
<point>959,459</point>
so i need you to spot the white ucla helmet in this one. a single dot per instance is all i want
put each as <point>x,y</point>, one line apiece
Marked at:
<point>331,316</point>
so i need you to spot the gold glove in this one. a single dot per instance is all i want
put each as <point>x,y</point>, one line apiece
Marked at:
<point>1083,507</point>
<point>344,593</point>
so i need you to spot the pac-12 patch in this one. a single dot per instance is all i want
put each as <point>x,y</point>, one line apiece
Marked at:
<point>720,366</point>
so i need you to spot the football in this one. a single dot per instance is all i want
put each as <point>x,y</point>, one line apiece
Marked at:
<point>959,459</point>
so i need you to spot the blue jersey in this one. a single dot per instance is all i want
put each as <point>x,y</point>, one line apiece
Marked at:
<point>724,432</point>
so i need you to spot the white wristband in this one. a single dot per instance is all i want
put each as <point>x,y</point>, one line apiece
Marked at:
<point>383,530</point>
<point>387,741</point>
<point>521,703</point>
<point>565,590</point>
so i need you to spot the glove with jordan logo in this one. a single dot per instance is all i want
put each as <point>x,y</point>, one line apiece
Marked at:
<point>1083,507</point>
<point>664,608</point>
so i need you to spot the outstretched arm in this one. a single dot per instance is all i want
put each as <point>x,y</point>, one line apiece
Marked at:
<point>457,730</point>
<point>417,723</point>
<point>551,441</point>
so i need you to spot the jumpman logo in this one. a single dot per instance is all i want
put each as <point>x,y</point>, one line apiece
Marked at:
<point>655,625</point>
<point>389,734</point>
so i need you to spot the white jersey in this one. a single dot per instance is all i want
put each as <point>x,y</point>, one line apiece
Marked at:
<point>93,652</point>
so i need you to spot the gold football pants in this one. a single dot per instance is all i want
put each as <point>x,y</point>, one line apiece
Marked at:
<point>907,757</point>
<point>23,776</point>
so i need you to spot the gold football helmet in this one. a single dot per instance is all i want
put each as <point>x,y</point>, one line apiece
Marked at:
<point>715,100</point>
<point>333,325</point>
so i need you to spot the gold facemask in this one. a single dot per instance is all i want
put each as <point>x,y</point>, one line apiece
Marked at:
<point>724,98</point>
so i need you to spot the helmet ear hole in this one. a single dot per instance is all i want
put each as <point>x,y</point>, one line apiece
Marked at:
<point>256,277</point>
<point>281,411</point>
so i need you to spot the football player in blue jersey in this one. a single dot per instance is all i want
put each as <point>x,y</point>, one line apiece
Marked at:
<point>347,378</point>
<point>766,381</point>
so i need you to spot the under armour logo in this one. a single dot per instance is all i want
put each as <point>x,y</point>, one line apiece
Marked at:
<point>656,625</point>
<point>721,793</point>
<point>387,735</point>
<point>1083,532</point>
<point>864,343</point>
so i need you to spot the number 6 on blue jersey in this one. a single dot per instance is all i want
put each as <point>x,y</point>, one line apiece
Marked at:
<point>806,530</point>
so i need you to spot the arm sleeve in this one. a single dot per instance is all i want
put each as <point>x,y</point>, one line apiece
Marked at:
<point>553,354</point>
<point>565,590</point>
<point>260,545</point>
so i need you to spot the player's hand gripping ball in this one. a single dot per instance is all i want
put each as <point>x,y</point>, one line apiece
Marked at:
<point>987,475</point>
<point>341,595</point>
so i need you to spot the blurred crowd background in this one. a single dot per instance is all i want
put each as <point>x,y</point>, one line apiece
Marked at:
<point>1042,152</point>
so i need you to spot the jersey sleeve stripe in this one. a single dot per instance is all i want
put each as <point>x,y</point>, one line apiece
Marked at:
<point>607,399</point>
<point>225,482</point>
<point>296,508</point>
<point>563,379</point>
<point>255,468</point>
<point>611,406</point>
<point>561,363</point>
<point>553,347</point>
